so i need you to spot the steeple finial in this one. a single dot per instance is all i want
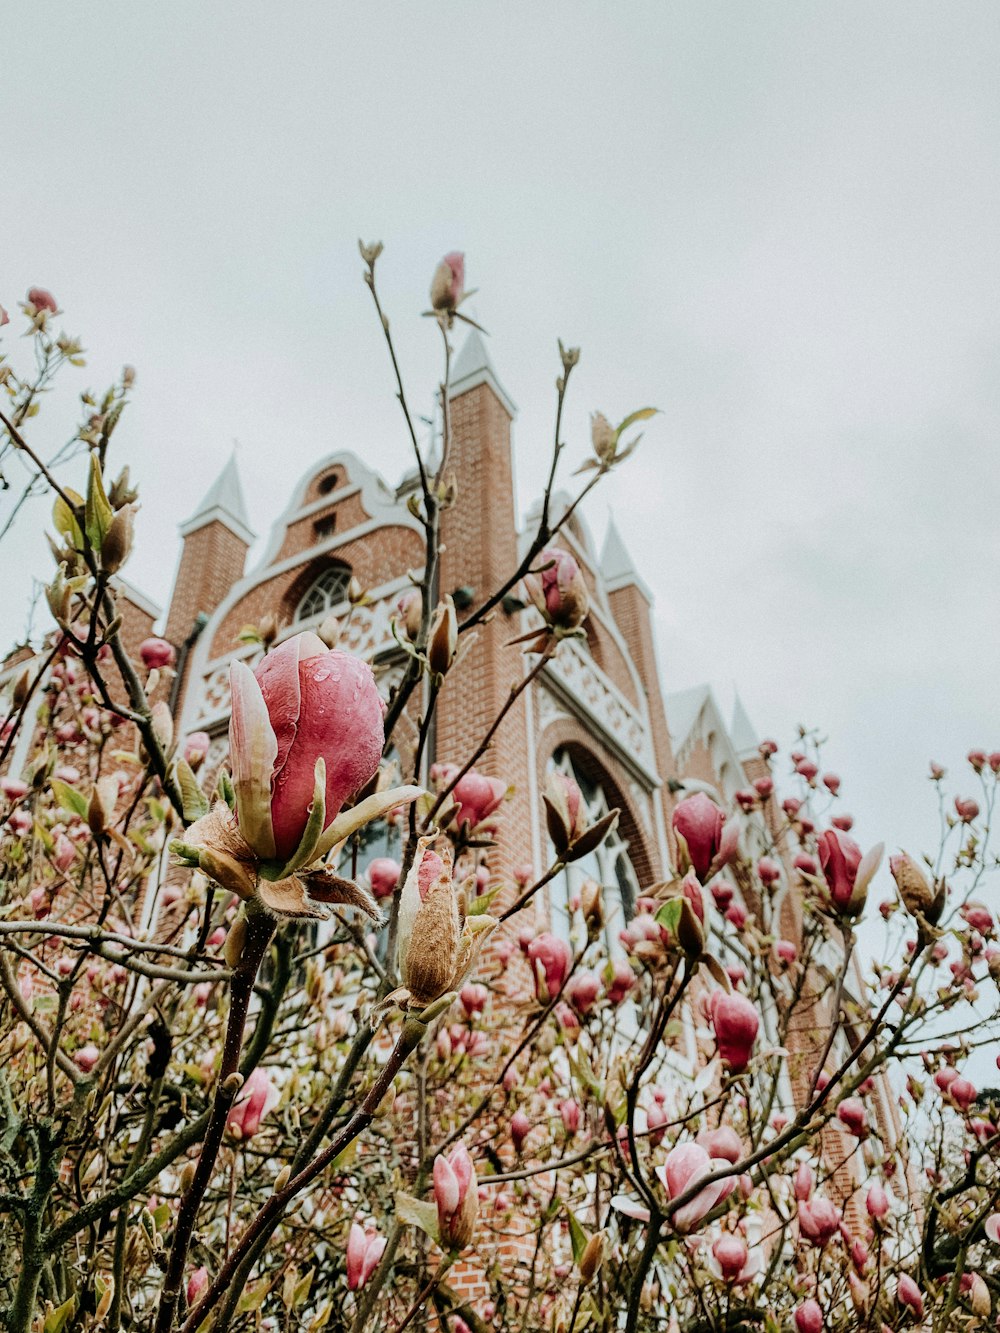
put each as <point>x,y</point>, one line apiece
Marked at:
<point>473,366</point>
<point>616,563</point>
<point>223,502</point>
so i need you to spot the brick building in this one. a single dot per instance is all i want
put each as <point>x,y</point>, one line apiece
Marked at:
<point>598,708</point>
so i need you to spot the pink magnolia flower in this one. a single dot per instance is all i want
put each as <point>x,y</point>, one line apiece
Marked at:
<point>809,1318</point>
<point>456,1197</point>
<point>63,853</point>
<point>966,809</point>
<point>477,796</point>
<point>731,1260</point>
<point>819,1220</point>
<point>807,769</point>
<point>992,1228</point>
<point>551,960</point>
<point>909,1295</point>
<point>4,317</point>
<point>962,1092</point>
<point>569,1110</point>
<point>256,1098</point>
<point>364,1250</point>
<point>197,1285</point>
<point>42,300</point>
<point>520,1128</point>
<point>709,840</point>
<point>87,1057</point>
<point>846,871</point>
<point>13,788</point>
<point>156,654</point>
<point>785,952</point>
<point>804,1181</point>
<point>196,748</point>
<point>975,915</point>
<point>558,589</point>
<point>448,282</point>
<point>852,1114</point>
<point>563,795</point>
<point>692,891</point>
<point>832,783</point>
<point>524,874</point>
<point>473,997</point>
<point>409,612</point>
<point>807,863</point>
<point>621,982</point>
<point>688,1164</point>
<point>582,990</point>
<point>722,1143</point>
<point>656,1120</point>
<point>844,822</point>
<point>736,915</point>
<point>722,894</point>
<point>769,870</point>
<point>877,1202</point>
<point>764,787</point>
<point>303,703</point>
<point>383,876</point>
<point>736,1025</point>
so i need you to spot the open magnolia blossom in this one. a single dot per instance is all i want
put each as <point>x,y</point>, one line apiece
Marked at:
<point>438,943</point>
<point>304,737</point>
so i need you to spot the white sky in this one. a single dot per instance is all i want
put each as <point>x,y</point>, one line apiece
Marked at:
<point>778,222</point>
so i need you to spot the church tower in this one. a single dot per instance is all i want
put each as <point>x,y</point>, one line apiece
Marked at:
<point>216,539</point>
<point>479,535</point>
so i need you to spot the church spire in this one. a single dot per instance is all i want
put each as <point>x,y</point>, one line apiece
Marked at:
<point>617,566</point>
<point>224,503</point>
<point>473,366</point>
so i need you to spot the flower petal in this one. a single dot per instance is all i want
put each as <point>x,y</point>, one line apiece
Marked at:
<point>288,898</point>
<point>254,749</point>
<point>305,853</point>
<point>372,807</point>
<point>324,887</point>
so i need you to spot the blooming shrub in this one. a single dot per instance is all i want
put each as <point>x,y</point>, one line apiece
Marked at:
<point>255,1077</point>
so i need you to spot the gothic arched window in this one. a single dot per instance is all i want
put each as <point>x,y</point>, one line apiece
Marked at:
<point>608,864</point>
<point>326,593</point>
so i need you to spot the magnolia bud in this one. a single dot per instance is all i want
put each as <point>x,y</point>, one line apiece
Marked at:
<point>355,592</point>
<point>187,1176</point>
<point>163,724</point>
<point>235,940</point>
<point>59,595</point>
<point>919,898</point>
<point>603,436</point>
<point>592,906</point>
<point>101,807</point>
<point>22,684</point>
<point>117,545</point>
<point>448,282</point>
<point>282,1179</point>
<point>443,641</point>
<point>121,492</point>
<point>592,1258</point>
<point>329,631</point>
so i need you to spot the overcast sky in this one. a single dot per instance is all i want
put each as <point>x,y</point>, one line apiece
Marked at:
<point>778,222</point>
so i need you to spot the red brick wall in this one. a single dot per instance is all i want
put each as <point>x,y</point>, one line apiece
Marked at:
<point>212,560</point>
<point>633,617</point>
<point>301,535</point>
<point>480,542</point>
<point>376,559</point>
